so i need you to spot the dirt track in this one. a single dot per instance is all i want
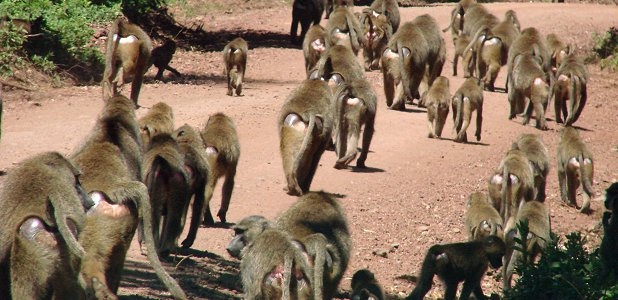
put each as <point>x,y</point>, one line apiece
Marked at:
<point>414,191</point>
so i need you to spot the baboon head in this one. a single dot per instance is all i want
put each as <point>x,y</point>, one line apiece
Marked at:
<point>245,232</point>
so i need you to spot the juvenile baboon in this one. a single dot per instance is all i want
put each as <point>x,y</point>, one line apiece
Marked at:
<point>158,120</point>
<point>557,49</point>
<point>388,8</point>
<point>161,58</point>
<point>528,41</point>
<point>512,183</point>
<point>111,164</point>
<point>377,31</point>
<point>538,237</point>
<point>476,17</point>
<point>318,221</point>
<point>528,83</point>
<point>532,146</point>
<point>366,287</point>
<point>305,127</point>
<point>305,12</point>
<point>609,244</point>
<point>344,28</point>
<point>457,262</point>
<point>461,50</point>
<point>41,213</point>
<point>126,59</point>
<point>575,166</point>
<point>570,85</point>
<point>235,62</point>
<point>437,100</point>
<point>482,218</point>
<point>467,99</point>
<point>421,54</point>
<point>458,16</point>
<point>314,45</point>
<point>330,5</point>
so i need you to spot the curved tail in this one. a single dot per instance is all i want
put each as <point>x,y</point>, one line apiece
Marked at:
<point>405,76</point>
<point>505,195</point>
<point>61,221</point>
<point>585,175</point>
<point>575,98</point>
<point>302,152</point>
<point>458,99</point>
<point>353,34</point>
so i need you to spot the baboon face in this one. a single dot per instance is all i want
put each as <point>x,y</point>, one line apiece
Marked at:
<point>375,28</point>
<point>318,45</point>
<point>245,232</point>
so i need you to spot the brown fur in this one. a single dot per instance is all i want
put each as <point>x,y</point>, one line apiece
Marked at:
<point>377,32</point>
<point>313,46</point>
<point>235,64</point>
<point>467,99</point>
<point>528,83</point>
<point>343,28</point>
<point>570,86</point>
<point>437,100</point>
<point>482,219</point>
<point>575,166</point>
<point>532,146</point>
<point>158,120</point>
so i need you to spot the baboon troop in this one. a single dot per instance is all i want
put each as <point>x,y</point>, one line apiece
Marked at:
<point>235,62</point>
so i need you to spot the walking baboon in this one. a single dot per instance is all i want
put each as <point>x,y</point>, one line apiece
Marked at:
<point>575,166</point>
<point>305,127</point>
<point>111,164</point>
<point>366,287</point>
<point>538,237</point>
<point>318,221</point>
<point>609,244</point>
<point>557,49</point>
<point>388,8</point>
<point>457,262</point>
<point>512,183</point>
<point>377,31</point>
<point>305,12</point>
<point>339,60</point>
<point>482,218</point>
<point>437,100</point>
<point>344,28</point>
<point>570,85</point>
<point>528,83</point>
<point>235,63</point>
<point>458,15</point>
<point>330,5</point>
<point>461,50</point>
<point>126,59</point>
<point>421,54</point>
<point>158,120</point>
<point>314,45</point>
<point>529,41</point>
<point>161,58</point>
<point>467,99</point>
<point>532,146</point>
<point>42,211</point>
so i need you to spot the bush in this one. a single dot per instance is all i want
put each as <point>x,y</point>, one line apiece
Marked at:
<point>606,48</point>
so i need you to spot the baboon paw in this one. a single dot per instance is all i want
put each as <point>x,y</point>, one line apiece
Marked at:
<point>186,244</point>
<point>340,165</point>
<point>478,138</point>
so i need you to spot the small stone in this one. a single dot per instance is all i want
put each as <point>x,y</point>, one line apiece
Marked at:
<point>381,253</point>
<point>423,228</point>
<point>456,230</point>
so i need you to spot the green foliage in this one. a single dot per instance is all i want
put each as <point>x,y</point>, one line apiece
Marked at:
<point>11,46</point>
<point>606,48</point>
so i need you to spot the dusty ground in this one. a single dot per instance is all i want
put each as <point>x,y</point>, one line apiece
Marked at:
<point>411,197</point>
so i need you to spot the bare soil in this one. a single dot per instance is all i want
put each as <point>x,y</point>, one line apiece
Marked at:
<point>411,196</point>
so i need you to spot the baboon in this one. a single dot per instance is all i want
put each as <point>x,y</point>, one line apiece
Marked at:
<point>467,99</point>
<point>126,59</point>
<point>235,64</point>
<point>366,287</point>
<point>339,60</point>
<point>482,219</point>
<point>314,45</point>
<point>330,5</point>
<point>42,211</point>
<point>458,15</point>
<point>528,41</point>
<point>570,85</point>
<point>305,12</point>
<point>305,127</point>
<point>437,100</point>
<point>161,58</point>
<point>111,164</point>
<point>246,232</point>
<point>528,83</point>
<point>318,221</point>
<point>158,120</point>
<point>461,44</point>
<point>575,166</point>
<point>538,237</point>
<point>457,262</point>
<point>421,52</point>
<point>609,244</point>
<point>532,146</point>
<point>344,28</point>
<point>512,183</point>
<point>388,8</point>
<point>377,31</point>
<point>558,51</point>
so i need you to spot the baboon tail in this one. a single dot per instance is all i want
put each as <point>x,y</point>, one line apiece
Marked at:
<point>405,76</point>
<point>353,33</point>
<point>288,262</point>
<point>584,176</point>
<point>459,104</point>
<point>475,38</point>
<point>505,194</point>
<point>574,97</point>
<point>307,141</point>
<point>63,228</point>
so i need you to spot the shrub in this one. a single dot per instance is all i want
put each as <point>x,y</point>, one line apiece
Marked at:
<point>606,48</point>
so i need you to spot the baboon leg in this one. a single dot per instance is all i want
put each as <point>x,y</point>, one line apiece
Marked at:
<point>540,116</point>
<point>468,287</point>
<point>455,59</point>
<point>572,186</point>
<point>196,219</point>
<point>479,122</point>
<point>562,184</point>
<point>466,115</point>
<point>389,88</point>
<point>159,74</point>
<point>558,108</point>
<point>450,291</point>
<point>513,98</point>
<point>399,99</point>
<point>294,28</point>
<point>430,120</point>
<point>228,187</point>
<point>239,80</point>
<point>527,113</point>
<point>210,188</point>
<point>229,83</point>
<point>173,70</point>
<point>136,86</point>
<point>367,137</point>
<point>491,75</point>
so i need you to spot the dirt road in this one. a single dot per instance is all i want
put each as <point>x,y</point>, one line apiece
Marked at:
<point>413,193</point>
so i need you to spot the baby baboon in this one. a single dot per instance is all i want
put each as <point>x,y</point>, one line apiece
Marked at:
<point>482,219</point>
<point>609,244</point>
<point>343,28</point>
<point>575,166</point>
<point>314,45</point>
<point>528,83</point>
<point>305,12</point>
<point>330,5</point>
<point>421,54</point>
<point>305,127</point>
<point>41,213</point>
<point>570,85</point>
<point>557,49</point>
<point>467,99</point>
<point>437,100</point>
<point>377,31</point>
<point>458,15</point>
<point>366,287</point>
<point>235,64</point>
<point>161,58</point>
<point>457,262</point>
<point>111,164</point>
<point>512,183</point>
<point>461,43</point>
<point>318,221</point>
<point>388,8</point>
<point>538,237</point>
<point>532,146</point>
<point>158,120</point>
<point>126,58</point>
